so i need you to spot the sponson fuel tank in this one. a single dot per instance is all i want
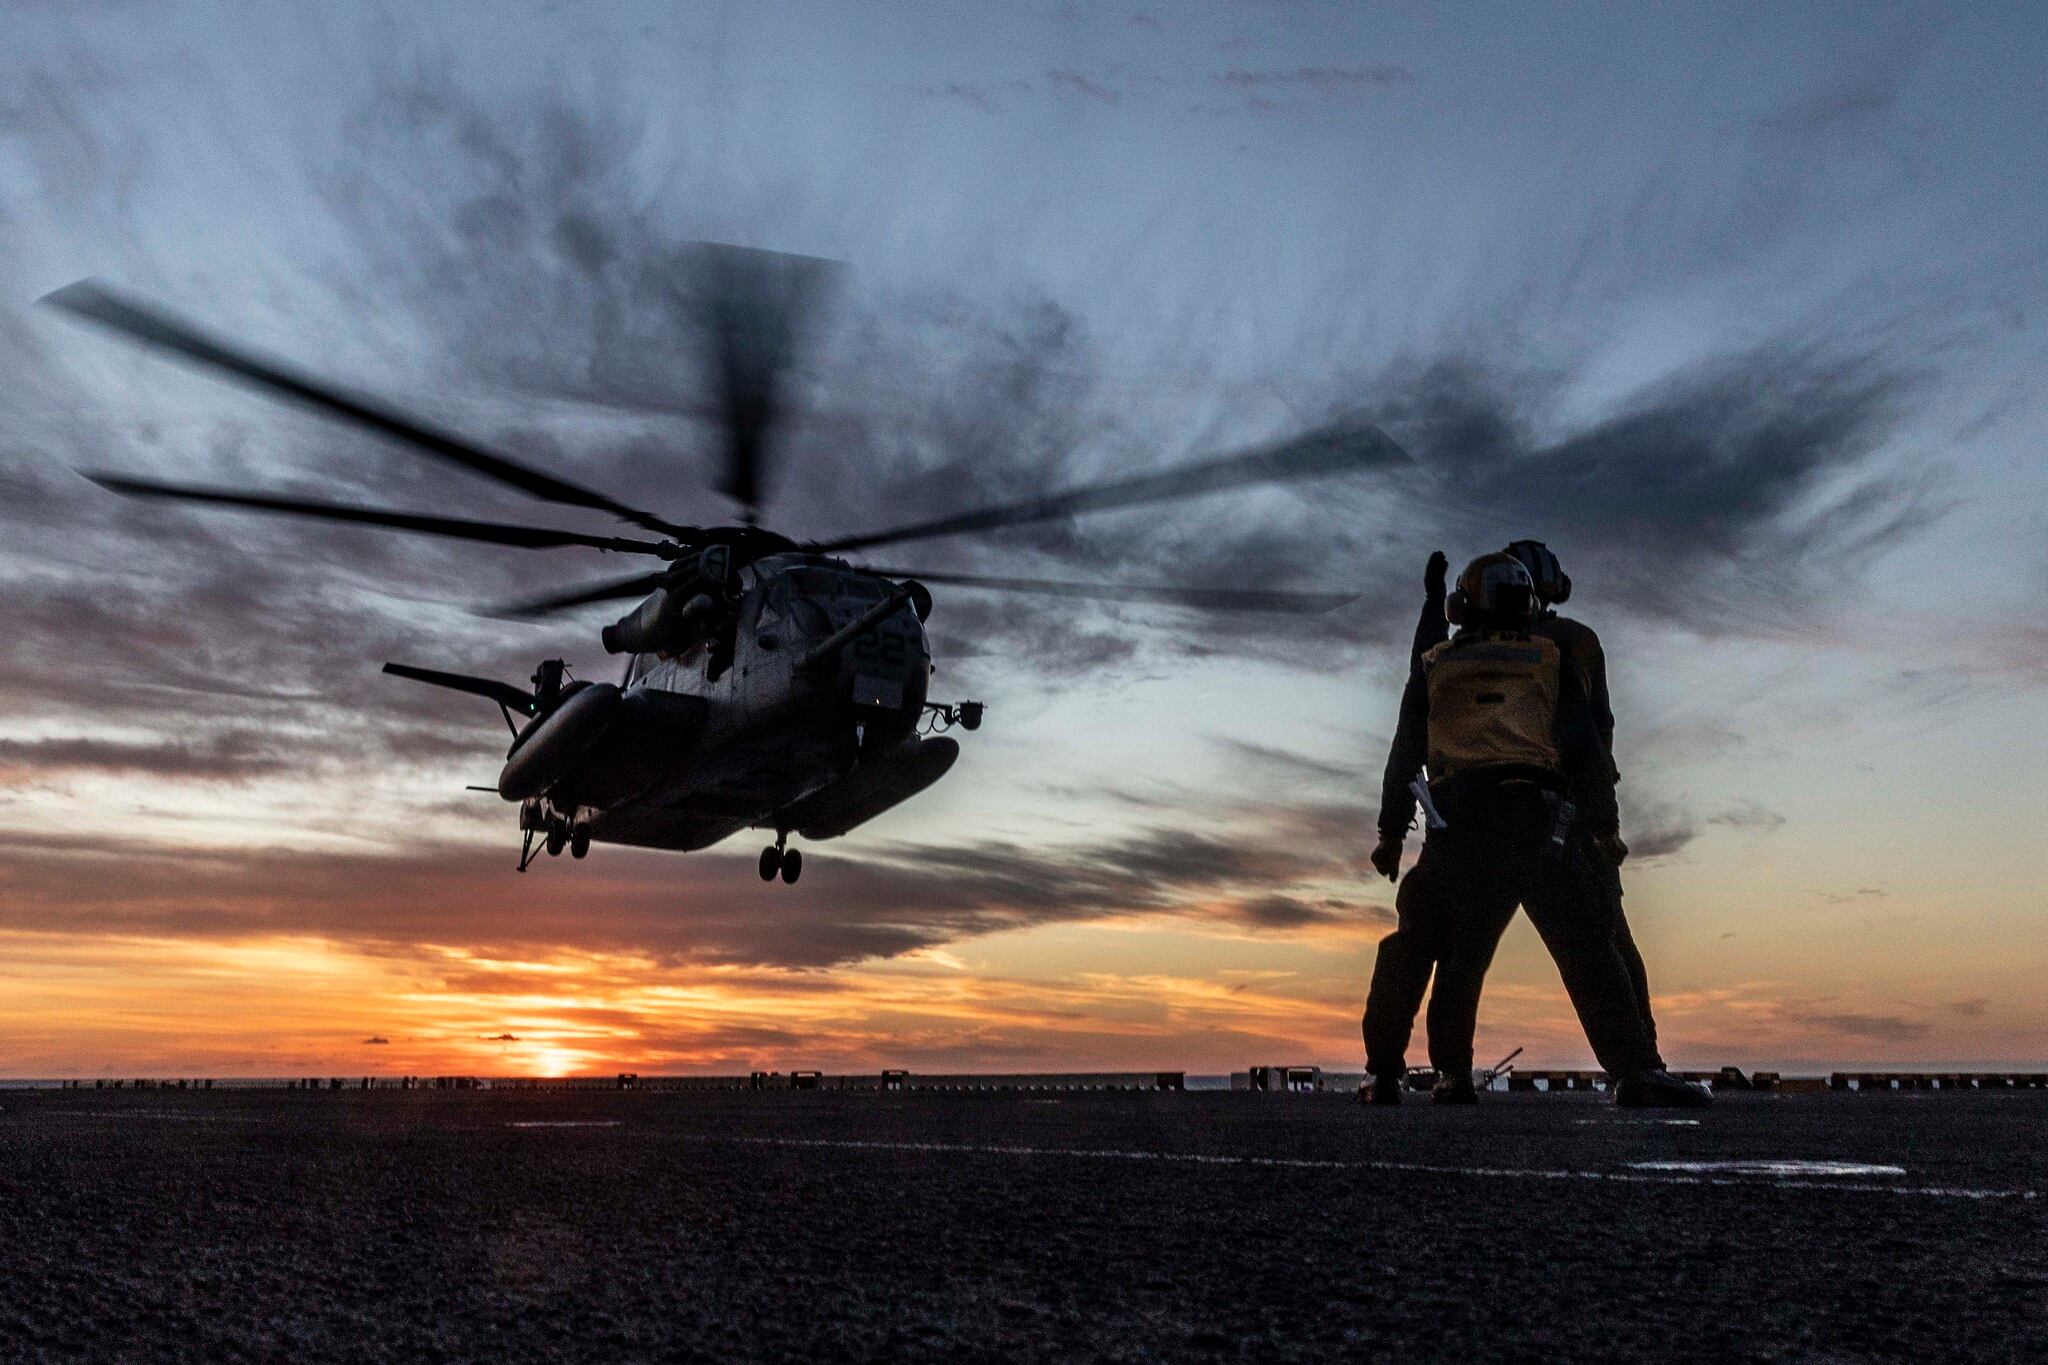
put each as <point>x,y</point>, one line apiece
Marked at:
<point>894,776</point>
<point>548,748</point>
<point>613,744</point>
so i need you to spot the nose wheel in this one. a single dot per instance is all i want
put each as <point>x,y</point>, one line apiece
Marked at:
<point>787,862</point>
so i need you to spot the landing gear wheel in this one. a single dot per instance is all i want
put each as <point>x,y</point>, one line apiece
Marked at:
<point>792,866</point>
<point>558,836</point>
<point>579,841</point>
<point>771,862</point>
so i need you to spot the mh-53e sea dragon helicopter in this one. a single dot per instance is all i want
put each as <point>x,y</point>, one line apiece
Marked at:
<point>770,683</point>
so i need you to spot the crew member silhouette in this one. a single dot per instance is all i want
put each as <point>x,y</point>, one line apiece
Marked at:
<point>1523,782</point>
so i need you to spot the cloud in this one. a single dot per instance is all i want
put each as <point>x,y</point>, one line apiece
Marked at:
<point>505,257</point>
<point>1290,912</point>
<point>1301,767</point>
<point>228,756</point>
<point>880,902</point>
<point>974,96</point>
<point>514,246</point>
<point>1322,80</point>
<point>1660,837</point>
<point>1661,828</point>
<point>1882,1027</point>
<point>1069,82</point>
<point>1750,817</point>
<point>1700,498</point>
<point>1862,895</point>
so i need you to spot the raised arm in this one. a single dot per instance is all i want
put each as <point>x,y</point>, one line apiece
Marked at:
<point>1431,629</point>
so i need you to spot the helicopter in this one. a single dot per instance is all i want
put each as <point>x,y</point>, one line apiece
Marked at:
<point>770,683</point>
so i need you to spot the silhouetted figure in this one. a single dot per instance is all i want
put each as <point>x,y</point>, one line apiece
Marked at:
<point>1582,653</point>
<point>1525,790</point>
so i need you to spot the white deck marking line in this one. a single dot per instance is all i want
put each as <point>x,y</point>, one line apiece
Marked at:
<point>112,1115</point>
<point>1328,1164</point>
<point>1772,1167</point>
<point>564,1123</point>
<point>1657,1123</point>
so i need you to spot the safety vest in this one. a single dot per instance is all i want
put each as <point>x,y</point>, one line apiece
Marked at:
<point>1492,700</point>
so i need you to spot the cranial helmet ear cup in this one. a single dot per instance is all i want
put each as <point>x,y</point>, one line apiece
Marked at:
<point>1454,607</point>
<point>1553,584</point>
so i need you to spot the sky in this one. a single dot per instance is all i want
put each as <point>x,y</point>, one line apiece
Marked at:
<point>1739,308</point>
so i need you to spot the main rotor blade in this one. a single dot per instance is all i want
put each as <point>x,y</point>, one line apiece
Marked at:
<point>754,305</point>
<point>611,590</point>
<point>1204,599</point>
<point>155,328</point>
<point>490,532</point>
<point>1330,450</point>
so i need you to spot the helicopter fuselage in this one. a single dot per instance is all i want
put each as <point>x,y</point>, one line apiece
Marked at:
<point>747,726</point>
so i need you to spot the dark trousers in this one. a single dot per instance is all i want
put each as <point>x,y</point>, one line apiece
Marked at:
<point>1631,956</point>
<point>1453,908</point>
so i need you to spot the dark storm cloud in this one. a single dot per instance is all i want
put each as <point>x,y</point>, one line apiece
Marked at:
<point>1707,498</point>
<point>517,238</point>
<point>1718,499</point>
<point>529,284</point>
<point>524,249</point>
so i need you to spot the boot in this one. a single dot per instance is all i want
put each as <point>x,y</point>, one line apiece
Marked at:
<point>1659,1089</point>
<point>1380,1090</point>
<point>1454,1089</point>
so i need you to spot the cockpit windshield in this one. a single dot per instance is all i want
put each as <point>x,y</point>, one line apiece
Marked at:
<point>828,583</point>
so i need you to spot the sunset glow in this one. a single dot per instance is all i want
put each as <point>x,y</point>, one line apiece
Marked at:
<point>1762,366</point>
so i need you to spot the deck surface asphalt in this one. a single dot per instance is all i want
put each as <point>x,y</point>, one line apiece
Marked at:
<point>829,1226</point>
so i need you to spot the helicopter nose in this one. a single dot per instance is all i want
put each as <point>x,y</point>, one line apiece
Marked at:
<point>889,668</point>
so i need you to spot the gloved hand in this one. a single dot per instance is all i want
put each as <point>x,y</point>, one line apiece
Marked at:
<point>1386,857</point>
<point>1611,848</point>
<point>1433,574</point>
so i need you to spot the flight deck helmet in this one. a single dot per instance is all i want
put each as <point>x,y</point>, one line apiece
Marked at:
<point>1553,584</point>
<point>1495,590</point>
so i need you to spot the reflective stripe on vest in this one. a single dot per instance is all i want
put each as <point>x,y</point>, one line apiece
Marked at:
<point>1492,700</point>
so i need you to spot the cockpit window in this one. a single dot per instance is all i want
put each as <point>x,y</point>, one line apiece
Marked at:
<point>865,589</point>
<point>827,583</point>
<point>775,603</point>
<point>810,618</point>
